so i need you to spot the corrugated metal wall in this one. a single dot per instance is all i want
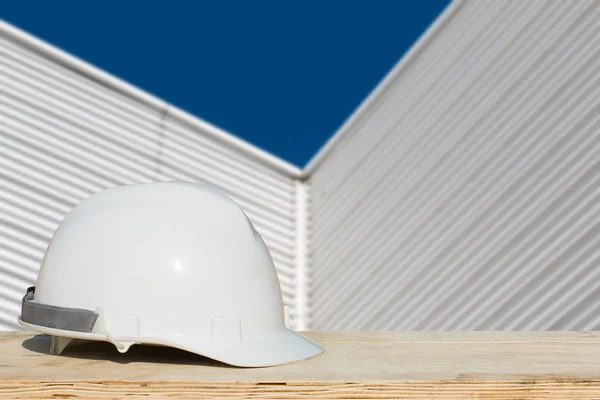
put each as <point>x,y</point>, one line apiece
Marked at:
<point>65,134</point>
<point>465,193</point>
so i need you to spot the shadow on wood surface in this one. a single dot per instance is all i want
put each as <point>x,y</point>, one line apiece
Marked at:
<point>93,350</point>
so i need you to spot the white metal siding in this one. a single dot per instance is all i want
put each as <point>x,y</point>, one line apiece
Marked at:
<point>464,194</point>
<point>65,134</point>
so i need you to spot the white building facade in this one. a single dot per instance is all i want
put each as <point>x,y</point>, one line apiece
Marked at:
<point>462,193</point>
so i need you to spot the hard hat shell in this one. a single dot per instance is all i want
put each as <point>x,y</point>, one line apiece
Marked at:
<point>173,263</point>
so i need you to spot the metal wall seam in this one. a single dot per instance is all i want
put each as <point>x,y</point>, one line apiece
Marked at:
<point>302,263</point>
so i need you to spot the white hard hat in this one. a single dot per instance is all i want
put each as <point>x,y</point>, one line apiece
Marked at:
<point>175,264</point>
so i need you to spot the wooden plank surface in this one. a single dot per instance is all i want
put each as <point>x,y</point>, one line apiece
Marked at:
<point>366,365</point>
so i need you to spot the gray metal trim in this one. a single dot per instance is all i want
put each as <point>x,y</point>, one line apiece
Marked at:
<point>69,319</point>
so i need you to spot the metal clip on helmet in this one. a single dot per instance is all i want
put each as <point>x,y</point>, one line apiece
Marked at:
<point>174,264</point>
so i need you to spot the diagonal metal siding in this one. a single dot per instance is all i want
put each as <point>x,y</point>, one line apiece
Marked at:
<point>65,134</point>
<point>462,195</point>
<point>465,194</point>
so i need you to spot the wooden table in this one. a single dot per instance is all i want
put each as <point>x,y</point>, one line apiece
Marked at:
<point>374,365</point>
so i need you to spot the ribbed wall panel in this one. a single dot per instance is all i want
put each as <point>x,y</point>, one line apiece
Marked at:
<point>62,138</point>
<point>65,134</point>
<point>463,195</point>
<point>466,195</point>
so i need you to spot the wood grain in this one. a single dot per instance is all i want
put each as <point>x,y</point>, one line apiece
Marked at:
<point>363,365</point>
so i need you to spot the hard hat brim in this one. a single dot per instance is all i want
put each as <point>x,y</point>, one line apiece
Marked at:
<point>278,348</point>
<point>281,348</point>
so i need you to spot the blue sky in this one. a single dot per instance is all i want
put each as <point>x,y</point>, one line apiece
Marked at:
<point>282,75</point>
